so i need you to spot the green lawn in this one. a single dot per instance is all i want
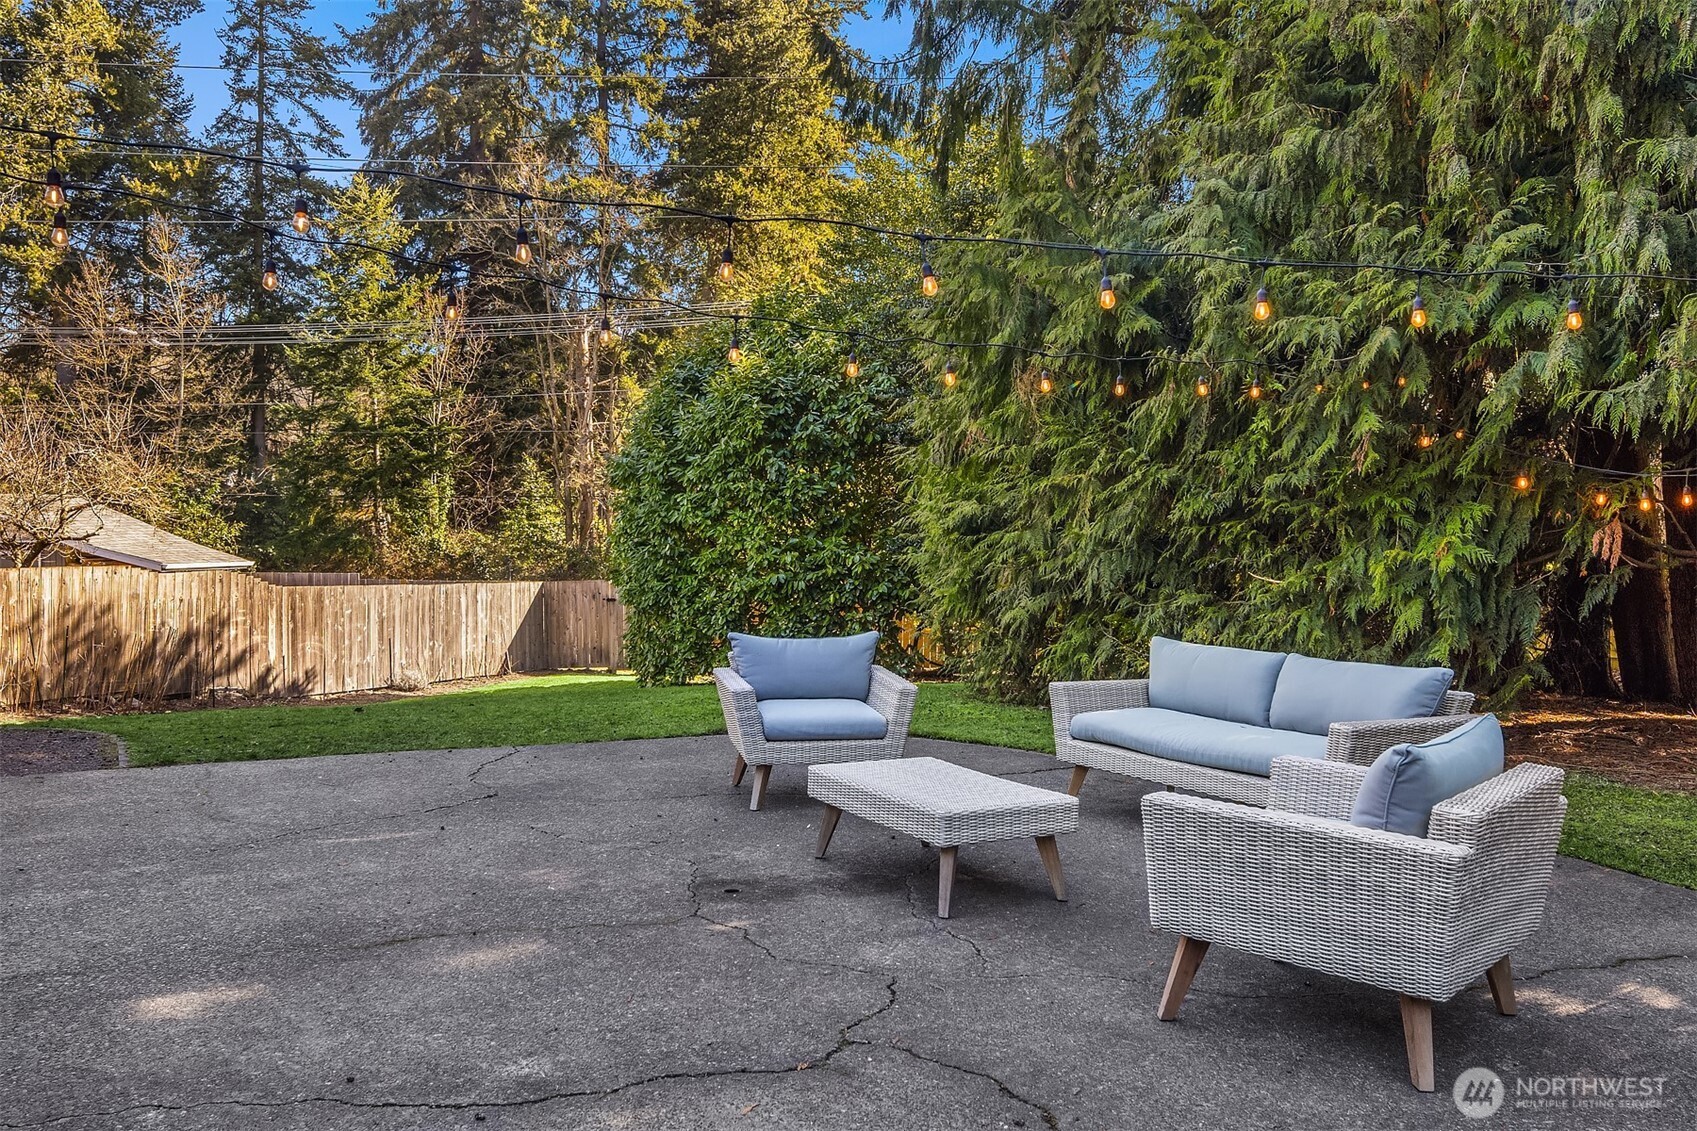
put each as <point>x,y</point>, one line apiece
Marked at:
<point>1636,830</point>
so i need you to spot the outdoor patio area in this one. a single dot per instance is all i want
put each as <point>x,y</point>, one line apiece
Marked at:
<point>604,936</point>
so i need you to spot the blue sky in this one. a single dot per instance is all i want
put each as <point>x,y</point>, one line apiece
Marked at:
<point>199,45</point>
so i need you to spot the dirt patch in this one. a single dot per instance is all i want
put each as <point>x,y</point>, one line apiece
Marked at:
<point>45,750</point>
<point>1653,745</point>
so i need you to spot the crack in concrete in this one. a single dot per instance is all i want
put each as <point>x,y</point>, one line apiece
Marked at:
<point>930,919</point>
<point>1047,1113</point>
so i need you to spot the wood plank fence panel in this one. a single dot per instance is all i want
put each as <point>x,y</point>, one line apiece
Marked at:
<point>101,633</point>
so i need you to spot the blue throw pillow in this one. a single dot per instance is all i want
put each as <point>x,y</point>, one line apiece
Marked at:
<point>830,667</point>
<point>1404,784</point>
<point>1235,684</point>
<point>1313,694</point>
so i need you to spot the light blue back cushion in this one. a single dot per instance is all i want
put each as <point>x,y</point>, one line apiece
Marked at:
<point>1406,781</point>
<point>1313,694</point>
<point>1235,684</point>
<point>831,667</point>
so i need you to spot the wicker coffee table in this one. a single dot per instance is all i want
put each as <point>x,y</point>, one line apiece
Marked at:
<point>947,806</point>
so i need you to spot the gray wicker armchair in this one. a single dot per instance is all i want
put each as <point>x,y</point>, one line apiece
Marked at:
<point>1420,916</point>
<point>891,696</point>
<point>1354,742</point>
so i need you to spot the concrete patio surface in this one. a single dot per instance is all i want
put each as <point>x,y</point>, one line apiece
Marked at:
<point>602,936</point>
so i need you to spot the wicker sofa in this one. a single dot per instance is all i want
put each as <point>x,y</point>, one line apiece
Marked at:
<point>1298,882</point>
<point>1209,719</point>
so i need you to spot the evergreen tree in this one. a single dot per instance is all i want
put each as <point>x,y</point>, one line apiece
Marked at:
<point>368,473</point>
<point>1367,505</point>
<point>280,72</point>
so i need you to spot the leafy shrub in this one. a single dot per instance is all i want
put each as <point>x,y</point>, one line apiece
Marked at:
<point>764,496</point>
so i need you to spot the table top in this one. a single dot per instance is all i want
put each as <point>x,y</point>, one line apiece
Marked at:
<point>932,785</point>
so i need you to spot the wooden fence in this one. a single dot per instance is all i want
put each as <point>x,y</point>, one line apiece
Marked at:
<point>92,633</point>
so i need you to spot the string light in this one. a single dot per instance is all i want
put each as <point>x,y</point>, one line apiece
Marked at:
<point>451,304</point>
<point>1045,383</point>
<point>1401,381</point>
<point>1425,439</point>
<point>1255,388</point>
<point>1106,295</point>
<point>927,277</point>
<point>851,368</point>
<point>269,277</point>
<point>302,222</point>
<point>1645,502</point>
<point>1461,433</point>
<point>1202,386</point>
<point>1319,386</point>
<point>1263,306</point>
<point>53,193</point>
<point>727,259</point>
<point>61,233</point>
<point>1600,499</point>
<point>1366,382</point>
<point>734,354</point>
<point>607,335</point>
<point>1119,382</point>
<point>1686,498</point>
<point>521,245</point>
<point>1522,482</point>
<point>950,375</point>
<point>1575,318</point>
<point>1417,312</point>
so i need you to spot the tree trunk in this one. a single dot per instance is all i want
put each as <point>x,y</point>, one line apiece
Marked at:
<point>259,423</point>
<point>1578,657</point>
<point>1682,588</point>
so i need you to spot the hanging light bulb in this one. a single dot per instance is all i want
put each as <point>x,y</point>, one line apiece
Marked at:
<point>1045,383</point>
<point>269,278</point>
<point>1425,439</point>
<point>451,305</point>
<point>54,191</point>
<point>1119,384</point>
<point>1263,308</point>
<point>61,233</point>
<point>851,368</point>
<point>1202,386</point>
<point>1522,481</point>
<point>1687,499</point>
<point>521,244</point>
<point>1645,502</point>
<point>927,277</point>
<point>1575,317</point>
<point>1366,382</point>
<point>302,222</point>
<point>1319,386</point>
<point>1417,312</point>
<point>1461,433</point>
<point>607,335</point>
<point>1105,294</point>
<point>1401,381</point>
<point>727,260</point>
<point>950,375</point>
<point>734,354</point>
<point>1600,499</point>
<point>1255,389</point>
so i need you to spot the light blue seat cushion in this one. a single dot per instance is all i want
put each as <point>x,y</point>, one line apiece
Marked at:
<point>1195,739</point>
<point>1406,781</point>
<point>830,667</point>
<point>796,720</point>
<point>1313,694</point>
<point>1222,683</point>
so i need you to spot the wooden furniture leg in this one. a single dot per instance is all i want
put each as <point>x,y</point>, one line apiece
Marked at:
<point>1051,854</point>
<point>762,775</point>
<point>945,879</point>
<point>737,770</point>
<point>1077,782</point>
<point>827,826</point>
<point>1501,977</point>
<point>1417,1032</point>
<point>1186,959</point>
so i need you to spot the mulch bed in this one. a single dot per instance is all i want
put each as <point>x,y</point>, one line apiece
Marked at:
<point>32,750</point>
<point>1653,745</point>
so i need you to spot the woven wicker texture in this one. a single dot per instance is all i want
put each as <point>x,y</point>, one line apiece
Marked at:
<point>941,803</point>
<point>892,696</point>
<point>1421,916</point>
<point>1357,743</point>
